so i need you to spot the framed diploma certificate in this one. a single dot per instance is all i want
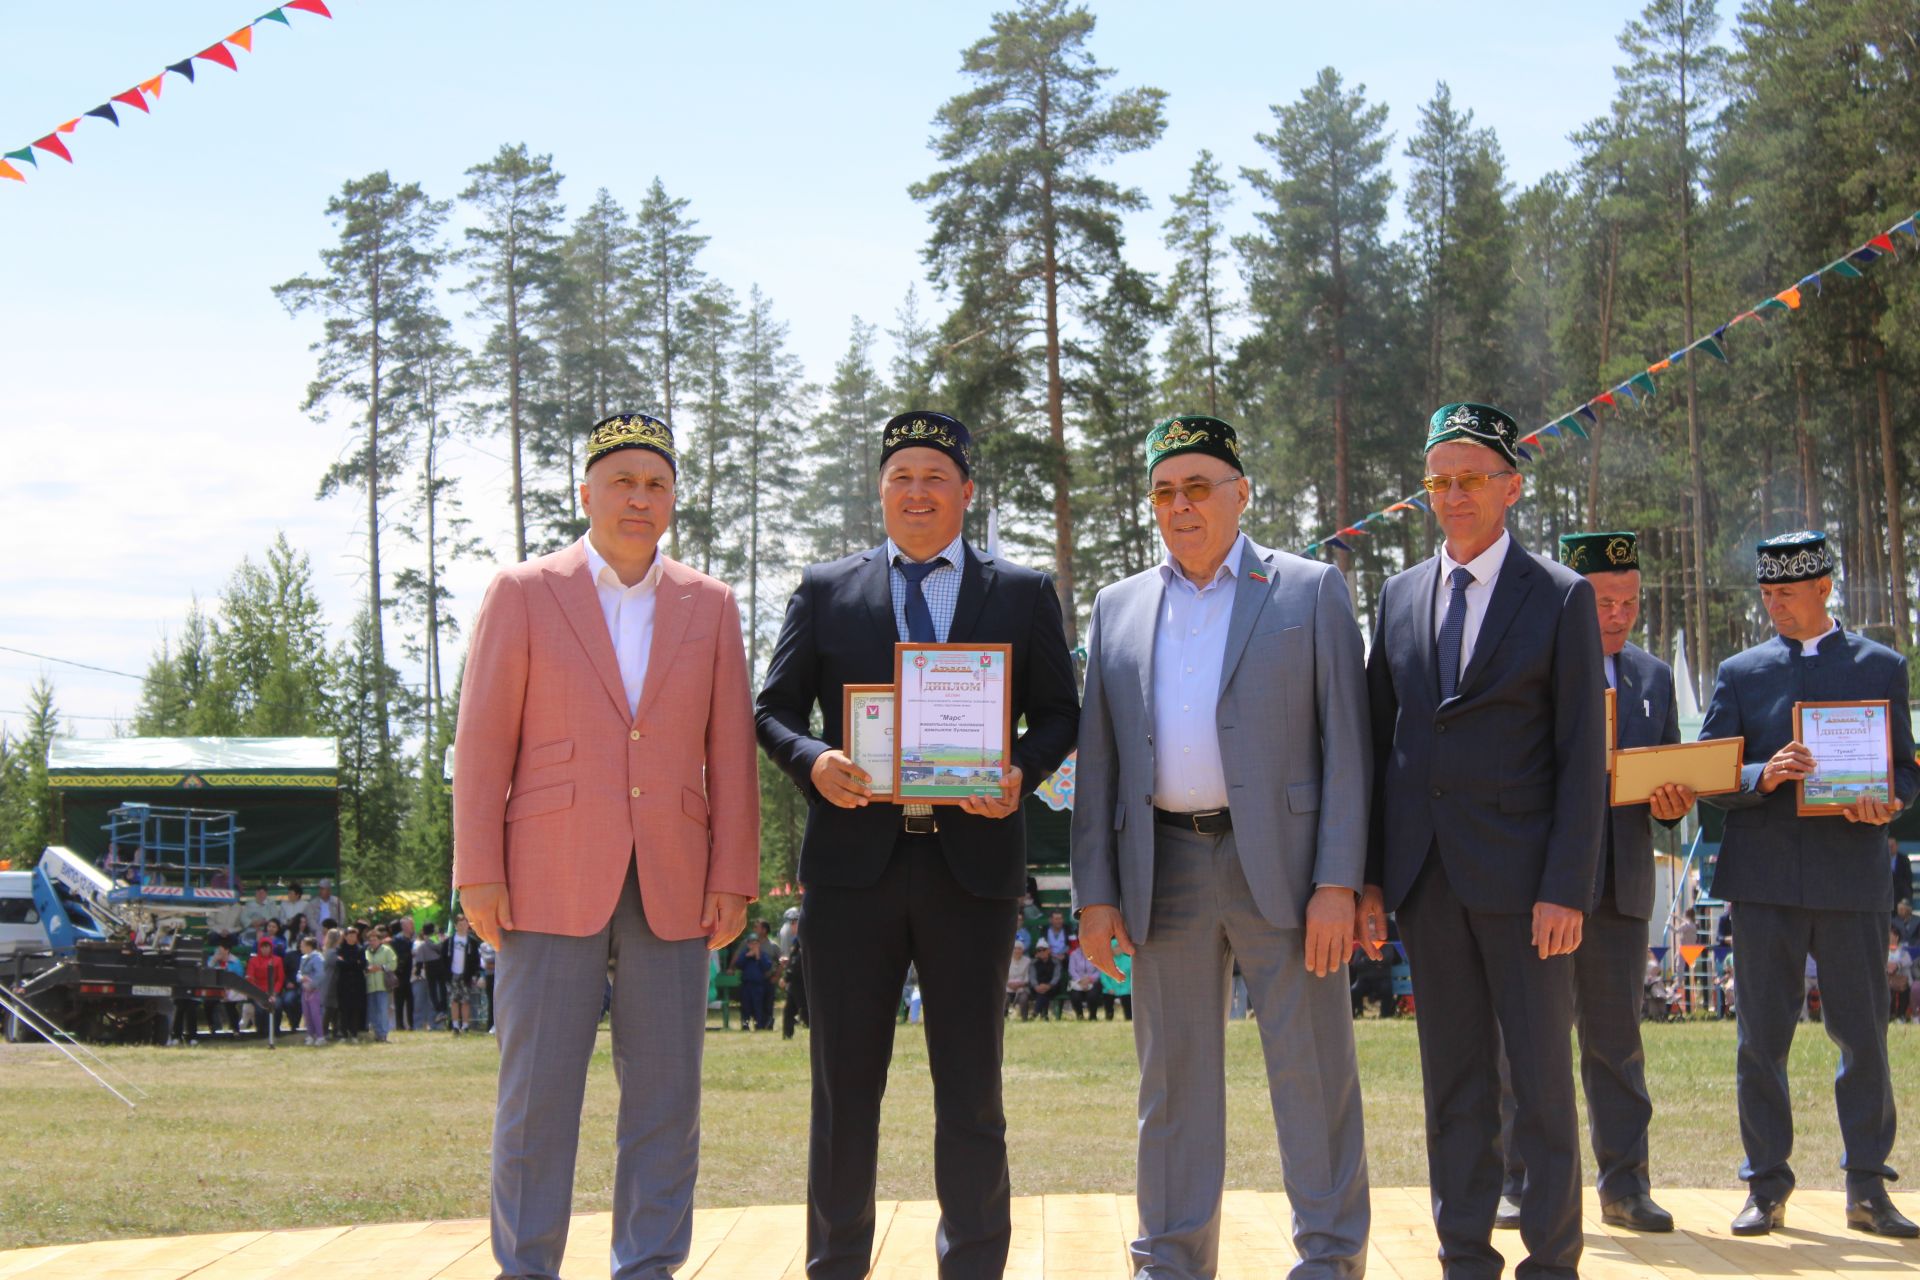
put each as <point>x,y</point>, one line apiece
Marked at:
<point>1711,768</point>
<point>868,716</point>
<point>953,721</point>
<point>1852,748</point>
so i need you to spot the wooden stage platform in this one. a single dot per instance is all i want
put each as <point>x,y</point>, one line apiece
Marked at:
<point>1063,1237</point>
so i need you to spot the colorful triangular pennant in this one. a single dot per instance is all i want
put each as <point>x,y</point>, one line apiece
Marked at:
<point>133,98</point>
<point>243,37</point>
<point>184,67</point>
<point>8,171</point>
<point>106,112</point>
<point>24,153</point>
<point>52,143</point>
<point>274,15</point>
<point>221,54</point>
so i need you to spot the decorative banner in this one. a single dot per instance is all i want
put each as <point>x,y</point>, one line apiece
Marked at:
<point>1641,387</point>
<point>143,95</point>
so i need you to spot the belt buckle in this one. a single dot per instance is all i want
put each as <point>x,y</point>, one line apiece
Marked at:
<point>918,824</point>
<point>1206,822</point>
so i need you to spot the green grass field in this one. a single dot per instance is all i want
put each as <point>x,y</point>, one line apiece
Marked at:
<point>238,1137</point>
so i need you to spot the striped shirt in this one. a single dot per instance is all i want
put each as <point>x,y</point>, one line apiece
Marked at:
<point>941,587</point>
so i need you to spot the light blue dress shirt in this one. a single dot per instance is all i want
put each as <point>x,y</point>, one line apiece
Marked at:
<point>1189,645</point>
<point>941,588</point>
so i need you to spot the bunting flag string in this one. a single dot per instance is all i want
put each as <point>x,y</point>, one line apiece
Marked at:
<point>147,92</point>
<point>1641,387</point>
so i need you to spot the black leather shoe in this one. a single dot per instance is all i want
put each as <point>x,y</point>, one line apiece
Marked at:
<point>1761,1215</point>
<point>1637,1213</point>
<point>1875,1213</point>
<point>1507,1216</point>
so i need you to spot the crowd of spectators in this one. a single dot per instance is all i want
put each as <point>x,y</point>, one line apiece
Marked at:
<point>330,975</point>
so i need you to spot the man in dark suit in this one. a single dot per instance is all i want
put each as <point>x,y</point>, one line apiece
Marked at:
<point>1609,969</point>
<point>889,886</point>
<point>1485,682</point>
<point>1812,885</point>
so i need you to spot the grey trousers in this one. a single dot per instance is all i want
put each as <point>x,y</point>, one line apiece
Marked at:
<point>548,990</point>
<point>1203,920</point>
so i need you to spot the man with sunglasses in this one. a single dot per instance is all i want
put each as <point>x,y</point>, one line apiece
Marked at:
<point>1220,816</point>
<point>1489,738</point>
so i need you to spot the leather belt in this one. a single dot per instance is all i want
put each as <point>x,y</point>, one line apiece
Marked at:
<point>919,824</point>
<point>1207,822</point>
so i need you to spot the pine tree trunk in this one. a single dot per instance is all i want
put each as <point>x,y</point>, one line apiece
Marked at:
<point>513,414</point>
<point>1056,388</point>
<point>373,512</point>
<point>1896,517</point>
<point>1606,355</point>
<point>1809,492</point>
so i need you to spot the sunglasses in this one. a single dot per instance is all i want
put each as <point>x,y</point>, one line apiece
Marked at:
<point>1194,491</point>
<point>1469,481</point>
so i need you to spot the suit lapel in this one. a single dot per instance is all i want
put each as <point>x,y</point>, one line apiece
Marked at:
<point>1510,589</point>
<point>1140,631</point>
<point>672,611</point>
<point>877,591</point>
<point>571,582</point>
<point>976,579</point>
<point>1423,629</point>
<point>1249,595</point>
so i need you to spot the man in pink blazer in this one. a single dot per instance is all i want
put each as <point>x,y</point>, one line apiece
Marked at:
<point>606,809</point>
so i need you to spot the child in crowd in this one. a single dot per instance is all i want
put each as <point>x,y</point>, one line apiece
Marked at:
<point>269,973</point>
<point>313,994</point>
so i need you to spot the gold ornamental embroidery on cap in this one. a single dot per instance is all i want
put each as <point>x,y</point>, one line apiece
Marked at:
<point>921,429</point>
<point>1180,435</point>
<point>632,430</point>
<point>1619,551</point>
<point>1577,557</point>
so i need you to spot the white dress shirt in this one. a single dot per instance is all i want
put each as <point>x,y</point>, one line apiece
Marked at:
<point>629,614</point>
<point>1613,672</point>
<point>1485,569</point>
<point>1189,645</point>
<point>1812,647</point>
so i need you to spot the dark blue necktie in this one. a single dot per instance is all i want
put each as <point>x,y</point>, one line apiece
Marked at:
<point>919,617</point>
<point>1453,631</point>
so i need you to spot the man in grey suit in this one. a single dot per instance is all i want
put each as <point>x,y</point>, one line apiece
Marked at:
<point>1609,969</point>
<point>1221,816</point>
<point>1489,738</point>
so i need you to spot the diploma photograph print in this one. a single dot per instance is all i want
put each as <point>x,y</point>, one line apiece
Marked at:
<point>869,717</point>
<point>1852,748</point>
<point>953,721</point>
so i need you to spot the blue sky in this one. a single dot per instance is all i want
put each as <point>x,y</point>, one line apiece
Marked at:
<point>150,430</point>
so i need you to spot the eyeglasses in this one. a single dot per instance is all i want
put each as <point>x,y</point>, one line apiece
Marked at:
<point>1469,481</point>
<point>1194,491</point>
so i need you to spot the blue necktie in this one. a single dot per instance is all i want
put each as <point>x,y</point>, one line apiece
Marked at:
<point>1453,630</point>
<point>919,617</point>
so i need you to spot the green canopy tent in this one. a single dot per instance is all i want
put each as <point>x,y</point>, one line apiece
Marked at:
<point>286,791</point>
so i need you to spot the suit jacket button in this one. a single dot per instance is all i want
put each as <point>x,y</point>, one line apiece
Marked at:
<point>1440,728</point>
<point>635,793</point>
<point>635,735</point>
<point>1437,793</point>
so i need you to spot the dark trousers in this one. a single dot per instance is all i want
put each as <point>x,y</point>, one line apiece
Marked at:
<point>756,1005</point>
<point>403,1005</point>
<point>1476,979</point>
<point>1771,948</point>
<point>1609,978</point>
<point>796,1007</point>
<point>1108,999</point>
<point>858,944</point>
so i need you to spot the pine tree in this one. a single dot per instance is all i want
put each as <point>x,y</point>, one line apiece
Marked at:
<point>1673,83</point>
<point>26,799</point>
<point>1318,274</point>
<point>1197,290</point>
<point>513,252</point>
<point>840,508</point>
<point>377,279</point>
<point>179,677</point>
<point>271,667</point>
<point>709,450</point>
<point>1456,204</point>
<point>913,356</point>
<point>1021,217</point>
<point>1116,383</point>
<point>668,284</point>
<point>771,402</point>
